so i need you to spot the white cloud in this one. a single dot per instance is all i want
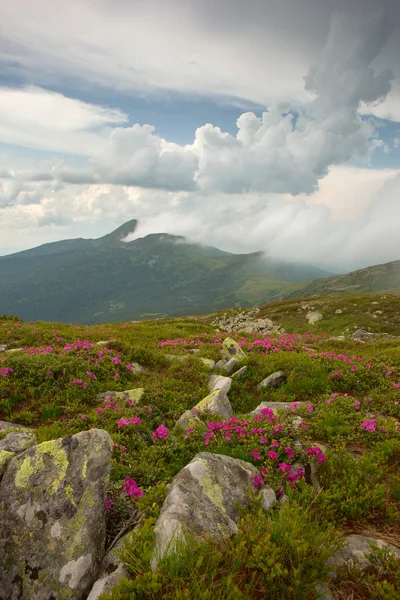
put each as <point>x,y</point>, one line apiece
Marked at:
<point>36,118</point>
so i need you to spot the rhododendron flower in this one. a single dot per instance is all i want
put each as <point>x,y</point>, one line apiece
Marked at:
<point>273,455</point>
<point>108,504</point>
<point>131,488</point>
<point>357,404</point>
<point>258,481</point>
<point>255,454</point>
<point>369,425</point>
<point>116,376</point>
<point>289,452</point>
<point>161,433</point>
<point>310,407</point>
<point>284,467</point>
<point>48,373</point>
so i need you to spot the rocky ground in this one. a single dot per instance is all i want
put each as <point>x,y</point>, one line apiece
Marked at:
<point>166,459</point>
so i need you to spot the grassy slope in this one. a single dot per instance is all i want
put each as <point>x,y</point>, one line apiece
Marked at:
<point>361,477</point>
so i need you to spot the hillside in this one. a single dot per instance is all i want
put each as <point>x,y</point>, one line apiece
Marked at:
<point>106,279</point>
<point>271,485</point>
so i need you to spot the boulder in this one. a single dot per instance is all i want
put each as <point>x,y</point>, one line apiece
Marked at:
<point>6,426</point>
<point>210,364</point>
<point>268,497</point>
<point>3,347</point>
<point>313,317</point>
<point>230,365</point>
<point>356,548</point>
<point>187,420</point>
<point>203,501</point>
<point>219,382</point>
<point>134,396</point>
<point>362,335</point>
<point>273,380</point>
<point>216,403</point>
<point>5,457</point>
<point>239,373</point>
<point>52,518</point>
<point>275,406</point>
<point>18,441</point>
<point>111,572</point>
<point>180,357</point>
<point>232,349</point>
<point>219,364</point>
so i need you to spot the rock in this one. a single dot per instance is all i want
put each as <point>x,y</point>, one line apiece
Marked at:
<point>367,336</point>
<point>6,426</point>
<point>193,351</point>
<point>219,382</point>
<point>208,362</point>
<point>311,475</point>
<point>273,380</point>
<point>230,365</point>
<point>3,347</point>
<point>134,396</point>
<point>203,500</point>
<point>187,420</point>
<point>180,357</point>
<point>52,518</point>
<point>246,323</point>
<point>18,441</point>
<point>5,457</point>
<point>323,592</point>
<point>220,364</point>
<point>216,403</point>
<point>101,343</point>
<point>112,571</point>
<point>268,497</point>
<point>239,373</point>
<point>275,406</point>
<point>338,311</point>
<point>337,338</point>
<point>313,317</point>
<point>355,549</point>
<point>231,348</point>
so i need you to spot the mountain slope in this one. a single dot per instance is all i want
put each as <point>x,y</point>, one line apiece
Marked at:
<point>92,281</point>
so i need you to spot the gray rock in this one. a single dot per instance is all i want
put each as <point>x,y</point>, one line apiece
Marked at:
<point>338,311</point>
<point>275,406</point>
<point>268,497</point>
<point>52,518</point>
<point>313,317</point>
<point>111,572</point>
<point>134,396</point>
<point>220,364</point>
<point>356,548</point>
<point>203,500</point>
<point>180,357</point>
<point>188,419</point>
<point>207,361</point>
<point>6,426</point>
<point>219,382</point>
<point>216,403</point>
<point>18,441</point>
<point>231,348</point>
<point>273,380</point>
<point>230,365</point>
<point>239,373</point>
<point>3,347</point>
<point>5,457</point>
<point>366,336</point>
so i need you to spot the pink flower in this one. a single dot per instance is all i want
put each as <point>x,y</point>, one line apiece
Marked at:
<point>161,433</point>
<point>284,467</point>
<point>116,360</point>
<point>228,436</point>
<point>131,488</point>
<point>116,376</point>
<point>310,407</point>
<point>289,452</point>
<point>369,425</point>
<point>122,422</point>
<point>258,481</point>
<point>255,454</point>
<point>149,410</point>
<point>108,504</point>
<point>357,404</point>
<point>272,455</point>
<point>48,373</point>
<point>129,367</point>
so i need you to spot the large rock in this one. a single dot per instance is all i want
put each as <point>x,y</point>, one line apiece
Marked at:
<point>239,373</point>
<point>275,406</point>
<point>133,396</point>
<point>52,518</point>
<point>216,403</point>
<point>203,500</point>
<point>231,349</point>
<point>5,457</point>
<point>219,382</point>
<point>111,572</point>
<point>247,323</point>
<point>362,335</point>
<point>273,380</point>
<point>356,548</point>
<point>313,317</point>
<point>187,420</point>
<point>230,365</point>
<point>18,441</point>
<point>6,426</point>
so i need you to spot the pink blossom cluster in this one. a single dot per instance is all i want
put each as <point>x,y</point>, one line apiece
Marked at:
<point>316,451</point>
<point>5,371</point>
<point>369,425</point>
<point>131,488</point>
<point>161,433</point>
<point>133,421</point>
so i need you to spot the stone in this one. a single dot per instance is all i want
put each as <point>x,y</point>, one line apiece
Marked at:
<point>232,349</point>
<point>180,357</point>
<point>3,347</point>
<point>338,311</point>
<point>313,317</point>
<point>337,338</point>
<point>18,441</point>
<point>6,426</point>
<point>134,396</point>
<point>239,373</point>
<point>230,365</point>
<point>52,518</point>
<point>219,364</point>
<point>273,380</point>
<point>111,572</point>
<point>268,497</point>
<point>5,457</point>
<point>275,406</point>
<point>187,420</point>
<point>203,501</point>
<point>216,403</point>
<point>355,549</point>
<point>366,336</point>
<point>210,364</point>
<point>219,382</point>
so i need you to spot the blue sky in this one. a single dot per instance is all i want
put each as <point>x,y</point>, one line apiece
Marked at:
<point>271,125</point>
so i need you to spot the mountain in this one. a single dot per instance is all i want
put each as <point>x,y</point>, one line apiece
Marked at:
<point>106,279</point>
<point>378,278</point>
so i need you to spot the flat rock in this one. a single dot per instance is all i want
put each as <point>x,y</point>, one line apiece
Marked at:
<point>6,426</point>
<point>220,363</point>
<point>367,336</point>
<point>180,357</point>
<point>18,441</point>
<point>134,395</point>
<point>219,382</point>
<point>216,403</point>
<point>275,406</point>
<point>230,365</point>
<point>232,349</point>
<point>273,380</point>
<point>239,373</point>
<point>356,548</point>
<point>313,317</point>
<point>52,518</point>
<point>210,364</point>
<point>203,500</point>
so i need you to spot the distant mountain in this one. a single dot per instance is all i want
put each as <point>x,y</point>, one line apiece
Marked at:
<point>107,279</point>
<point>378,278</point>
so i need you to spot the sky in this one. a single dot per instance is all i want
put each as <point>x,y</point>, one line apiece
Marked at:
<point>250,125</point>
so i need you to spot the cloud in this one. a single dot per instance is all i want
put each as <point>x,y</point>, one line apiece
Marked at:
<point>36,118</point>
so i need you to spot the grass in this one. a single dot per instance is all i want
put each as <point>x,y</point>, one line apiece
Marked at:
<point>352,408</point>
